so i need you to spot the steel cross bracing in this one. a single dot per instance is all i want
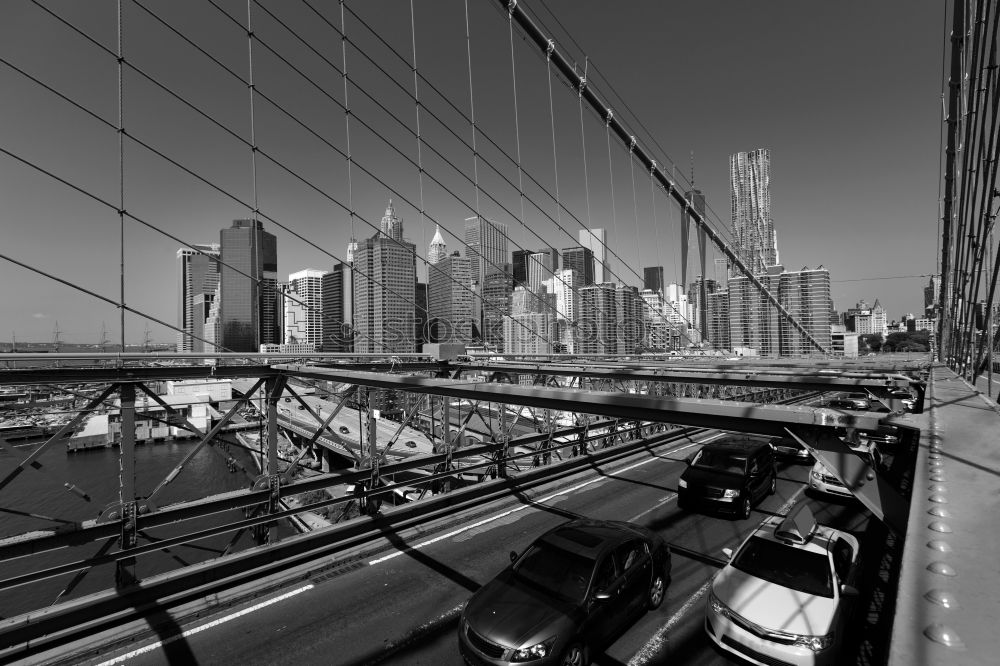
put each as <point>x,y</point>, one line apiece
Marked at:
<point>579,82</point>
<point>633,416</point>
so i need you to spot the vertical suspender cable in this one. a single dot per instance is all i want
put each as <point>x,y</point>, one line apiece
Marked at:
<point>536,36</point>
<point>552,123</point>
<point>348,158</point>
<point>583,140</point>
<point>420,142</point>
<point>611,173</point>
<point>257,271</point>
<point>121,174</point>
<point>472,109</point>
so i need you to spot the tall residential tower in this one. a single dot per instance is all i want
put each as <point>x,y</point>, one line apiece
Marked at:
<point>753,227</point>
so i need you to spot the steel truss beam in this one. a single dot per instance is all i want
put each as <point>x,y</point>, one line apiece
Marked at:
<point>876,383</point>
<point>765,419</point>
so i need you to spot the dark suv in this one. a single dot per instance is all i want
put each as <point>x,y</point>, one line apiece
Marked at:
<point>730,475</point>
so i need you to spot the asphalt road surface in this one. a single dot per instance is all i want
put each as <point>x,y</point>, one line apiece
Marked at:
<point>401,604</point>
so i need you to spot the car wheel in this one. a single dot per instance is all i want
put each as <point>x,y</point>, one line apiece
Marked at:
<point>774,485</point>
<point>657,590</point>
<point>746,507</point>
<point>575,655</point>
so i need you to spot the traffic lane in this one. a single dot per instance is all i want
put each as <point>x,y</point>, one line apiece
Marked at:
<point>430,582</point>
<point>673,633</point>
<point>433,582</point>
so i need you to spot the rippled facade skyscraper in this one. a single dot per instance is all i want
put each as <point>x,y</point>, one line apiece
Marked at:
<point>753,228</point>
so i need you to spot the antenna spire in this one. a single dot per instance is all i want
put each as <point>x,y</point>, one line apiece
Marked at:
<point>692,169</point>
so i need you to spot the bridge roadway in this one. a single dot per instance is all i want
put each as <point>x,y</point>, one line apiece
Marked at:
<point>398,601</point>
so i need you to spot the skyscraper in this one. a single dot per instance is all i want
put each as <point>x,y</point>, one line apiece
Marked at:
<point>581,260</point>
<point>449,300</point>
<point>564,286</point>
<point>197,279</point>
<point>628,313</point>
<point>698,293</point>
<point>652,278</point>
<point>391,225</point>
<point>753,321</point>
<point>385,277</point>
<point>437,249</point>
<point>753,227</point>
<point>596,332</point>
<point>528,329</point>
<point>338,295</point>
<point>596,240</point>
<point>304,311</point>
<point>248,313</point>
<point>806,296</point>
<point>519,266</point>
<point>540,268</point>
<point>486,245</point>
<point>497,289</point>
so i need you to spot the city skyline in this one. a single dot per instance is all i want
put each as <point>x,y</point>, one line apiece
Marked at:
<point>886,179</point>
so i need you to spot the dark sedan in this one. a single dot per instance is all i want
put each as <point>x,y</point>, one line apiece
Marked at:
<point>569,592</point>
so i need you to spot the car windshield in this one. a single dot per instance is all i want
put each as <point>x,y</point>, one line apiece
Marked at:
<point>559,572</point>
<point>786,566</point>
<point>721,461</point>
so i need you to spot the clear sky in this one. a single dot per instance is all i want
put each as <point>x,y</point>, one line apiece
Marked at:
<point>847,97</point>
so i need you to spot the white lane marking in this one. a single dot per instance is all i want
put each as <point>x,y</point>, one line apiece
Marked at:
<point>653,508</point>
<point>651,649</point>
<point>504,514</point>
<point>214,623</point>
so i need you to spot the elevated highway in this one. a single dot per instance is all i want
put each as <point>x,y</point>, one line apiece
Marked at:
<point>387,587</point>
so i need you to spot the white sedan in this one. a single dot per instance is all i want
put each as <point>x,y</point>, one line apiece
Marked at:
<point>786,594</point>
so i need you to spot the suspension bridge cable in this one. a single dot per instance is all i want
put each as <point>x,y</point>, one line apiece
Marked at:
<point>541,42</point>
<point>390,144</point>
<point>258,150</point>
<point>606,82</point>
<point>121,168</point>
<point>482,133</point>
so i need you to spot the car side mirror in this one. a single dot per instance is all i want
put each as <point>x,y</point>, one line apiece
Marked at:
<point>688,458</point>
<point>728,552</point>
<point>513,556</point>
<point>849,591</point>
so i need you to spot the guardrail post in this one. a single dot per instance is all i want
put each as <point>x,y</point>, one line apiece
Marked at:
<point>446,438</point>
<point>503,439</point>
<point>125,568</point>
<point>273,390</point>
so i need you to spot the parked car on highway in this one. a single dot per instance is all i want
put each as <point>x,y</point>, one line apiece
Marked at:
<point>886,437</point>
<point>909,402</point>
<point>789,449</point>
<point>566,595</point>
<point>822,480</point>
<point>730,475</point>
<point>787,592</point>
<point>857,401</point>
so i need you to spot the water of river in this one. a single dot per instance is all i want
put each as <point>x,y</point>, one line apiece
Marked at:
<point>96,473</point>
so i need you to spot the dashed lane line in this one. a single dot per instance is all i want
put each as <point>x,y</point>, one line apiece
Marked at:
<point>647,654</point>
<point>504,514</point>
<point>208,625</point>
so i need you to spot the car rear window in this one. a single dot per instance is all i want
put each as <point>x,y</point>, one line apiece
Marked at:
<point>722,461</point>
<point>784,565</point>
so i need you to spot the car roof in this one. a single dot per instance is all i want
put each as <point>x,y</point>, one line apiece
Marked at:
<point>588,537</point>
<point>745,445</point>
<point>821,540</point>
